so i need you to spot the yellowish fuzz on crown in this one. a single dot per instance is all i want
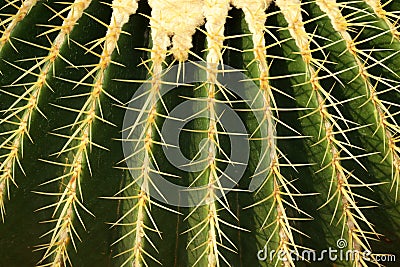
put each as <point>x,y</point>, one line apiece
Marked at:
<point>179,20</point>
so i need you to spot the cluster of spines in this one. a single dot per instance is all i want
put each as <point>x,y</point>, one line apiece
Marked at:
<point>21,111</point>
<point>346,203</point>
<point>215,14</point>
<point>11,22</point>
<point>163,26</point>
<point>384,119</point>
<point>139,214</point>
<point>255,16</point>
<point>80,141</point>
<point>387,17</point>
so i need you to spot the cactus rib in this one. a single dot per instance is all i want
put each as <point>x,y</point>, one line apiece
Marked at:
<point>351,213</point>
<point>331,8</point>
<point>31,97</point>
<point>67,207</point>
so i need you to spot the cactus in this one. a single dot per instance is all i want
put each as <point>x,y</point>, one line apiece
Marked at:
<point>302,159</point>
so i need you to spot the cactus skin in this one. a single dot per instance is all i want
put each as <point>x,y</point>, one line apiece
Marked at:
<point>328,77</point>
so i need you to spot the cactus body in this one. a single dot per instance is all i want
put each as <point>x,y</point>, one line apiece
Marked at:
<point>287,141</point>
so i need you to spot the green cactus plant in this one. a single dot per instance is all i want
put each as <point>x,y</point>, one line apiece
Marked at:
<point>317,95</point>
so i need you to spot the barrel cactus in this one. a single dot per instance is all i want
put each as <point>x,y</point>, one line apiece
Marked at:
<point>199,133</point>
